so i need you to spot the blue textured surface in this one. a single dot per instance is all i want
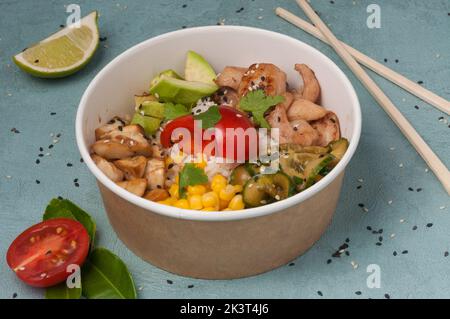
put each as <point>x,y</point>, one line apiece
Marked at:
<point>414,32</point>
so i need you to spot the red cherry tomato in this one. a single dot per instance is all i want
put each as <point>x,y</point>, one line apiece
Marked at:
<point>230,118</point>
<point>40,255</point>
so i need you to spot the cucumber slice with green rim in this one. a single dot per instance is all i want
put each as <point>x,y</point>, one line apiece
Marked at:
<point>265,189</point>
<point>314,167</point>
<point>338,149</point>
<point>253,169</point>
<point>293,164</point>
<point>240,175</point>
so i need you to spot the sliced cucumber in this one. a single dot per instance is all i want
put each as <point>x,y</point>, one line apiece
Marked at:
<point>267,188</point>
<point>240,175</point>
<point>293,164</point>
<point>314,167</point>
<point>338,149</point>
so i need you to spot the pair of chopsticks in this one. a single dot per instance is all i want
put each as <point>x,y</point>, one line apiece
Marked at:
<point>348,55</point>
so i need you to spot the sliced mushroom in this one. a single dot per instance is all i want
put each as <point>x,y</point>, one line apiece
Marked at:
<point>133,167</point>
<point>155,173</point>
<point>108,168</point>
<point>157,195</point>
<point>114,124</point>
<point>327,128</point>
<point>305,110</point>
<point>263,76</point>
<point>118,144</point>
<point>135,186</point>
<point>311,87</point>
<point>295,132</point>
<point>230,76</point>
<point>226,96</point>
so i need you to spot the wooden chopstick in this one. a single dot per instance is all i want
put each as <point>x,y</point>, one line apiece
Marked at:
<point>436,165</point>
<point>405,83</point>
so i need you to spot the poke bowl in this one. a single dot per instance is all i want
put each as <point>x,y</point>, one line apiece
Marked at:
<point>240,236</point>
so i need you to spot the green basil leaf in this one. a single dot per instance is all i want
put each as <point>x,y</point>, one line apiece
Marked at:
<point>64,208</point>
<point>61,291</point>
<point>105,276</point>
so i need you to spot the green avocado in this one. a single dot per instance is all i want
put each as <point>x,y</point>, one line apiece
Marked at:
<point>152,108</point>
<point>170,73</point>
<point>169,89</point>
<point>148,123</point>
<point>198,69</point>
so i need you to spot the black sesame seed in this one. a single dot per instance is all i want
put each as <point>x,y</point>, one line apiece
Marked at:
<point>374,232</point>
<point>414,228</point>
<point>184,5</point>
<point>385,60</point>
<point>75,180</point>
<point>320,293</point>
<point>343,246</point>
<point>430,225</point>
<point>38,181</point>
<point>380,238</point>
<point>369,228</point>
<point>295,128</point>
<point>240,10</point>
<point>446,254</point>
<point>361,205</point>
<point>158,186</point>
<point>347,240</point>
<point>14,295</point>
<point>60,198</point>
<point>358,293</point>
<point>410,189</point>
<point>329,261</point>
<point>50,146</point>
<point>394,253</point>
<point>419,82</point>
<point>169,281</point>
<point>36,61</point>
<point>77,185</point>
<point>380,231</point>
<point>358,187</point>
<point>69,164</point>
<point>53,113</point>
<point>440,118</point>
<point>81,160</point>
<point>331,1</point>
<point>404,252</point>
<point>263,78</point>
<point>347,253</point>
<point>416,107</point>
<point>58,135</point>
<point>103,39</point>
<point>183,27</point>
<point>191,286</point>
<point>41,155</point>
<point>387,296</point>
<point>41,149</point>
<point>379,244</point>
<point>38,161</point>
<point>396,60</point>
<point>61,25</point>
<point>291,264</point>
<point>419,189</point>
<point>170,166</point>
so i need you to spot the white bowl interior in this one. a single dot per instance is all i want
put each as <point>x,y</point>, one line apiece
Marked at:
<point>111,92</point>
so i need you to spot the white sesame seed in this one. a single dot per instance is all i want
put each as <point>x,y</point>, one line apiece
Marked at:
<point>404,100</point>
<point>390,202</point>
<point>400,165</point>
<point>8,176</point>
<point>438,55</point>
<point>402,220</point>
<point>426,170</point>
<point>55,140</point>
<point>157,95</point>
<point>140,288</point>
<point>354,265</point>
<point>52,134</point>
<point>47,154</point>
<point>366,209</point>
<point>442,207</point>
<point>360,180</point>
<point>392,235</point>
<point>392,148</point>
<point>260,18</point>
<point>43,275</point>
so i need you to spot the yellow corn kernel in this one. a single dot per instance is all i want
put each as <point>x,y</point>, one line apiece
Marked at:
<point>168,201</point>
<point>210,199</point>
<point>209,209</point>
<point>236,203</point>
<point>238,188</point>
<point>227,193</point>
<point>173,191</point>
<point>196,190</point>
<point>200,161</point>
<point>195,201</point>
<point>218,182</point>
<point>223,204</point>
<point>182,203</point>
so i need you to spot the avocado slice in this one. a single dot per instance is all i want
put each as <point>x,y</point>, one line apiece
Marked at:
<point>198,69</point>
<point>169,89</point>
<point>148,123</point>
<point>170,73</point>
<point>139,99</point>
<point>152,108</point>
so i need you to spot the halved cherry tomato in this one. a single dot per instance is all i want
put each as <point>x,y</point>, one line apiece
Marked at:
<point>40,255</point>
<point>231,118</point>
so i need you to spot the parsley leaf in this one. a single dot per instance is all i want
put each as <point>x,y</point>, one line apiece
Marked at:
<point>257,102</point>
<point>210,117</point>
<point>172,111</point>
<point>191,175</point>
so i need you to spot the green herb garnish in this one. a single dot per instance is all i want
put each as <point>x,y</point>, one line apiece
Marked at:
<point>210,117</point>
<point>258,103</point>
<point>191,175</point>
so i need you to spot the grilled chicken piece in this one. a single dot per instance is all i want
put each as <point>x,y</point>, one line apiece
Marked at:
<point>119,144</point>
<point>157,195</point>
<point>108,168</point>
<point>133,167</point>
<point>295,132</point>
<point>155,173</point>
<point>288,99</point>
<point>135,186</point>
<point>311,87</point>
<point>264,76</point>
<point>112,125</point>
<point>302,109</point>
<point>328,129</point>
<point>230,76</point>
<point>226,96</point>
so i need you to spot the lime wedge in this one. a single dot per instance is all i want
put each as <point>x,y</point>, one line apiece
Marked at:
<point>62,53</point>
